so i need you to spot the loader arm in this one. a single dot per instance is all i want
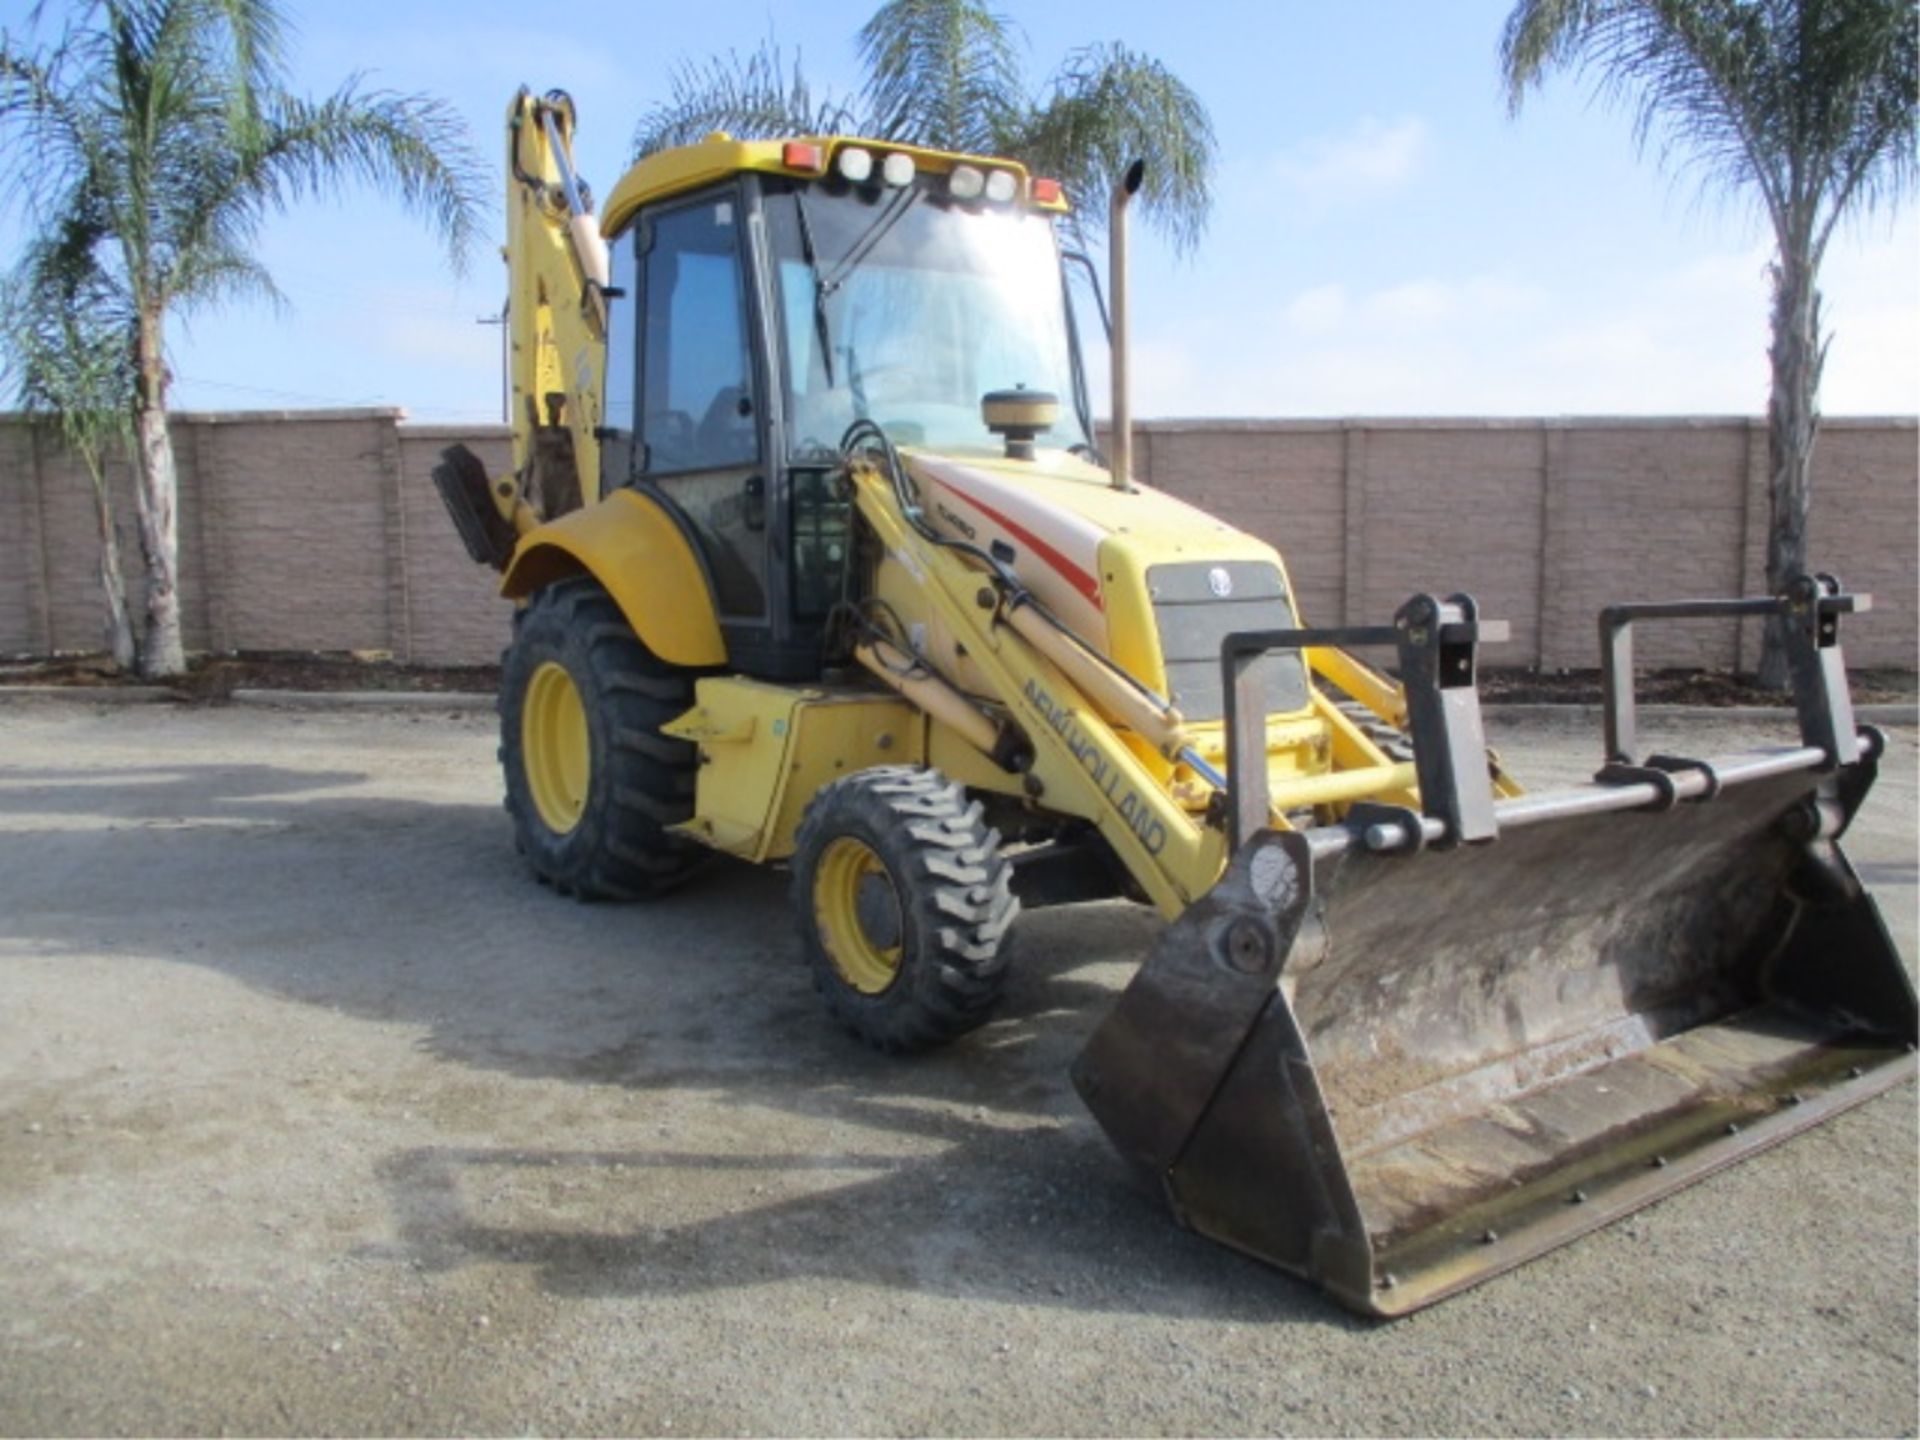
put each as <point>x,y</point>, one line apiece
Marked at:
<point>1080,766</point>
<point>1088,730</point>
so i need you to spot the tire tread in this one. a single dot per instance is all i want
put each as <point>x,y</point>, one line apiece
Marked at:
<point>622,849</point>
<point>955,891</point>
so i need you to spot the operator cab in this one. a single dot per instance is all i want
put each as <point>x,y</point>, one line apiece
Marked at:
<point>758,317</point>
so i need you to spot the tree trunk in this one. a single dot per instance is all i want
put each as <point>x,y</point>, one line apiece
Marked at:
<point>159,494</point>
<point>120,638</point>
<point>1793,421</point>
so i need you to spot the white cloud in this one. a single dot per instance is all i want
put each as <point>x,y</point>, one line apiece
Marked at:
<point>1321,310</point>
<point>1422,304</point>
<point>1372,156</point>
<point>441,341</point>
<point>1414,305</point>
<point>1332,312</point>
<point>1687,339</point>
<point>1872,309</point>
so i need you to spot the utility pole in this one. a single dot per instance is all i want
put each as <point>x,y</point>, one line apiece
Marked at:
<point>501,321</point>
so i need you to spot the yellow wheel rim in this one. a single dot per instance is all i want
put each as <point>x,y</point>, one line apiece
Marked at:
<point>554,747</point>
<point>857,913</point>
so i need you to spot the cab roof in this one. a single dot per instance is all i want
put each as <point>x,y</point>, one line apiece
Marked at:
<point>667,173</point>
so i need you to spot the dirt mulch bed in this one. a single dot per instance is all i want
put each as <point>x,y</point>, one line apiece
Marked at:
<point>215,677</point>
<point>1711,688</point>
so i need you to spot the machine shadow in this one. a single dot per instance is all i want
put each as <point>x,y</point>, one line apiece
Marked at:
<point>1039,1217</point>
<point>301,884</point>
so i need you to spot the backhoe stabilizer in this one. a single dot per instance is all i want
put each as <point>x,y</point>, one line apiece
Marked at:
<point>1399,1066</point>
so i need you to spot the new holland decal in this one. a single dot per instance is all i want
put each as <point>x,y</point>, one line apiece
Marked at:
<point>1138,816</point>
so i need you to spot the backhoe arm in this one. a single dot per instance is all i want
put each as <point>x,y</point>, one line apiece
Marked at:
<point>557,313</point>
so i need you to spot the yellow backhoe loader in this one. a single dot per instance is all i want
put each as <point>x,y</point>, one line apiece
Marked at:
<point>816,561</point>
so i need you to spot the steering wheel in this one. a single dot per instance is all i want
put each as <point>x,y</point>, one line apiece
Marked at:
<point>727,416</point>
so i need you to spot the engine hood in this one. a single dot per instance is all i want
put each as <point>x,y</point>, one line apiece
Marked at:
<point>1066,532</point>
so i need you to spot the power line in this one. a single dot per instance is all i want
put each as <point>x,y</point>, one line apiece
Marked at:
<point>269,390</point>
<point>500,320</point>
<point>454,412</point>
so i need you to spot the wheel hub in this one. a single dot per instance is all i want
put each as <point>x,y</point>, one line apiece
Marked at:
<point>555,747</point>
<point>857,911</point>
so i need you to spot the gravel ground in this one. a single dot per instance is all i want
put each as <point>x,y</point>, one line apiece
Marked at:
<point>317,1116</point>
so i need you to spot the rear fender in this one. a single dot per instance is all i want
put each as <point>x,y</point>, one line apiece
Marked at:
<point>630,545</point>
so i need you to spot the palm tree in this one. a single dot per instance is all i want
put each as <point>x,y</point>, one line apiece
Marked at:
<point>64,357</point>
<point>153,138</point>
<point>946,73</point>
<point>1806,107</point>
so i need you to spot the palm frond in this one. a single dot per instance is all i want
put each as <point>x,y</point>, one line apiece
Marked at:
<point>1541,36</point>
<point>1110,106</point>
<point>941,72</point>
<point>756,96</point>
<point>1861,113</point>
<point>258,33</point>
<point>158,134</point>
<point>65,351</point>
<point>215,274</point>
<point>167,119</point>
<point>409,146</point>
<point>1690,85</point>
<point>1810,103</point>
<point>55,134</point>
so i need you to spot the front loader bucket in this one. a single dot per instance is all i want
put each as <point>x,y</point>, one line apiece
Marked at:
<point>1399,1070</point>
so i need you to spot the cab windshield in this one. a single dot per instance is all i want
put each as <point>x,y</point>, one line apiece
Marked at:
<point>906,307</point>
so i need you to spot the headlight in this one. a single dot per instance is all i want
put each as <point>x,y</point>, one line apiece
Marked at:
<point>897,169</point>
<point>854,164</point>
<point>966,183</point>
<point>1001,186</point>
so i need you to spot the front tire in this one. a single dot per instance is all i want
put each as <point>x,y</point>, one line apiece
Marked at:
<point>592,784</point>
<point>905,905</point>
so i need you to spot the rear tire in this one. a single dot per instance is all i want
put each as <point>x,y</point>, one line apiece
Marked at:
<point>592,784</point>
<point>905,906</point>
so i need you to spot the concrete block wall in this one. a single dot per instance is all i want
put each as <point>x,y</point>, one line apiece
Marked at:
<point>1545,521</point>
<point>23,589</point>
<point>1865,520</point>
<point>293,521</point>
<point>1631,513</point>
<point>1444,510</point>
<point>50,596</point>
<point>299,530</point>
<point>321,530</point>
<point>456,614</point>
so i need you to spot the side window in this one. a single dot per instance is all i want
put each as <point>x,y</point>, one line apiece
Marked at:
<point>621,390</point>
<point>696,372</point>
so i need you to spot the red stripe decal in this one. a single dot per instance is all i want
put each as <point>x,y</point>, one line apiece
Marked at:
<point>1086,584</point>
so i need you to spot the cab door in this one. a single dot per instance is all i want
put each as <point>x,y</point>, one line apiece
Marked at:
<point>700,431</point>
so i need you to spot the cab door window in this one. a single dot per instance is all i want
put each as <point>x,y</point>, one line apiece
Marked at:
<point>699,419</point>
<point>622,377</point>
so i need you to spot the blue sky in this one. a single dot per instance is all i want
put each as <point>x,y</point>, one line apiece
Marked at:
<point>1386,240</point>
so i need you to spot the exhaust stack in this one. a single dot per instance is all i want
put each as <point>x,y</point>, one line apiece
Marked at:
<point>1122,410</point>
